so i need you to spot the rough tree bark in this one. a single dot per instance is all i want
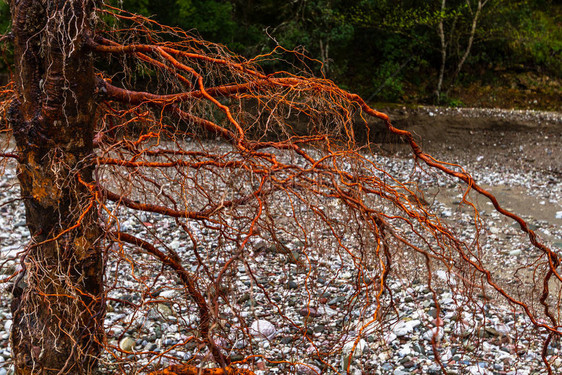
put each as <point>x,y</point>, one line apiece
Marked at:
<point>57,307</point>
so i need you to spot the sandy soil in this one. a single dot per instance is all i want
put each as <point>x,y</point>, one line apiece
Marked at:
<point>529,140</point>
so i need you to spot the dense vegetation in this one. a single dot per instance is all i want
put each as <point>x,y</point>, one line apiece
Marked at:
<point>389,50</point>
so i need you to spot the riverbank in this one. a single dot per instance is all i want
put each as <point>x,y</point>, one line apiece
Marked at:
<point>525,140</point>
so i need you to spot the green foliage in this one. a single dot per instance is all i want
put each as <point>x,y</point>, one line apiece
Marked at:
<point>449,101</point>
<point>388,85</point>
<point>538,41</point>
<point>524,34</point>
<point>319,26</point>
<point>395,16</point>
<point>6,51</point>
<point>4,17</point>
<point>213,19</point>
<point>365,43</point>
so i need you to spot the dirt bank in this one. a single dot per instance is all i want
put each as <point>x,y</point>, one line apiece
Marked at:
<point>525,140</point>
<point>523,147</point>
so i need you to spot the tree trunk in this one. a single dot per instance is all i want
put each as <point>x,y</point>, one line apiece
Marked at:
<point>441,32</point>
<point>476,15</point>
<point>57,305</point>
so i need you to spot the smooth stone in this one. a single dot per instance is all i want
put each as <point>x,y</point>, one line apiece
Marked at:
<point>405,351</point>
<point>163,309</point>
<point>359,348</point>
<point>319,328</point>
<point>169,342</point>
<point>263,328</point>
<point>406,327</point>
<point>409,364</point>
<point>418,348</point>
<point>386,366</point>
<point>307,369</point>
<point>127,344</point>
<point>310,312</point>
<point>405,360</point>
<point>175,244</point>
<point>286,340</point>
<point>438,332</point>
<point>167,294</point>
<point>346,275</point>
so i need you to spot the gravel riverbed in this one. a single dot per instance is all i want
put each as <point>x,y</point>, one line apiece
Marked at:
<point>470,334</point>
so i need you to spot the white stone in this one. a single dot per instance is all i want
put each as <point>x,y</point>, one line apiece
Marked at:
<point>361,346</point>
<point>389,337</point>
<point>515,253</point>
<point>168,294</point>
<point>447,213</point>
<point>447,355</point>
<point>502,328</point>
<point>326,310</point>
<point>486,347</point>
<point>477,370</point>
<point>404,328</point>
<point>347,355</point>
<point>346,275</point>
<point>446,276</point>
<point>134,319</point>
<point>438,332</point>
<point>264,329</point>
<point>175,244</point>
<point>405,350</point>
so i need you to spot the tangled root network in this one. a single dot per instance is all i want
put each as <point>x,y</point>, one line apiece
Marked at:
<point>250,224</point>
